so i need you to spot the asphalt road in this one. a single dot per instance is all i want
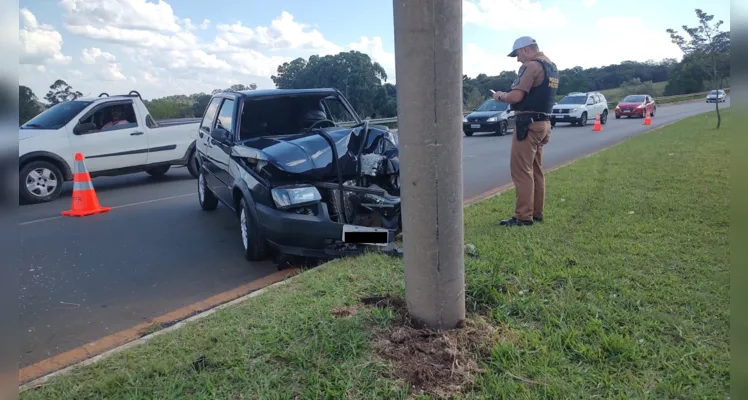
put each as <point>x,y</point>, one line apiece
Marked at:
<point>156,251</point>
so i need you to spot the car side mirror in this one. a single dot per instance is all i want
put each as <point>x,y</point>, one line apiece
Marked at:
<point>221,135</point>
<point>84,128</point>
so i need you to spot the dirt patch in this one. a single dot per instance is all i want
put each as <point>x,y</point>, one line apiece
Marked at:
<point>345,312</point>
<point>438,363</point>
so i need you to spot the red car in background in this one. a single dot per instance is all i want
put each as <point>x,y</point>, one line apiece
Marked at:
<point>636,105</point>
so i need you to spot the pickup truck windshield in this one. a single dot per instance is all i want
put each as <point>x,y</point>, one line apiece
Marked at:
<point>57,116</point>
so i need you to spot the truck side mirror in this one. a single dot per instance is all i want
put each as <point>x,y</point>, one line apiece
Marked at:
<point>84,128</point>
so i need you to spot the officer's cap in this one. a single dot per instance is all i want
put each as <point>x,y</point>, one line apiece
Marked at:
<point>524,41</point>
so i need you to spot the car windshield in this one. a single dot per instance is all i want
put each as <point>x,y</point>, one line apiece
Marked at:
<point>573,100</point>
<point>633,99</point>
<point>56,116</point>
<point>715,92</point>
<point>492,105</point>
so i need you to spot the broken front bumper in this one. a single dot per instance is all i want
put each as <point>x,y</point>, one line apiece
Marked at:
<point>314,234</point>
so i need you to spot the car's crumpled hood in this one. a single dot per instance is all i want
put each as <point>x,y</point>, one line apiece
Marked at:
<point>310,155</point>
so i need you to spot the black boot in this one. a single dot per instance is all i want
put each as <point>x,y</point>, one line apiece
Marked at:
<point>538,218</point>
<point>515,222</point>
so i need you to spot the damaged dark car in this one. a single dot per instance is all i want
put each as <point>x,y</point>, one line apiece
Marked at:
<point>305,175</point>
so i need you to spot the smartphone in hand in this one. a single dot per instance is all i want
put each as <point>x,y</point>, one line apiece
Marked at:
<point>492,91</point>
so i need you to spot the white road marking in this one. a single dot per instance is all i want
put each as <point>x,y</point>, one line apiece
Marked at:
<point>113,208</point>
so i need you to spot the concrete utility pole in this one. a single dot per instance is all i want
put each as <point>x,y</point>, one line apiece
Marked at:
<point>428,58</point>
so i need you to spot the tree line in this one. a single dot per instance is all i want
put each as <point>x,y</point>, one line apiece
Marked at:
<point>705,66</point>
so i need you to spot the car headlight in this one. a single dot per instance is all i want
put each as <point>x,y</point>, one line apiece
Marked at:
<point>492,119</point>
<point>573,110</point>
<point>464,119</point>
<point>286,197</point>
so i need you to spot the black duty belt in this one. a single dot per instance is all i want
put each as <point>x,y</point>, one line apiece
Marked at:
<point>536,116</point>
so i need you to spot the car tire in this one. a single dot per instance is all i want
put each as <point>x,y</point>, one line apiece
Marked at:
<point>467,133</point>
<point>159,171</point>
<point>653,112</point>
<point>583,119</point>
<point>253,241</point>
<point>35,180</point>
<point>208,200</point>
<point>604,117</point>
<point>553,122</point>
<point>193,165</point>
<point>618,116</point>
<point>502,128</point>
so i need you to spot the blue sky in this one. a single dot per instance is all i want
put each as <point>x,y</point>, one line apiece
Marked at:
<point>119,45</point>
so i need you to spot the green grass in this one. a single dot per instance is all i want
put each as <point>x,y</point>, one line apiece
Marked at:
<point>622,293</point>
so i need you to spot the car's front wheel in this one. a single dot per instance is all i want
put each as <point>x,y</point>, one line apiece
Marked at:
<point>40,182</point>
<point>501,131</point>
<point>208,201</point>
<point>583,119</point>
<point>468,133</point>
<point>604,117</point>
<point>253,241</point>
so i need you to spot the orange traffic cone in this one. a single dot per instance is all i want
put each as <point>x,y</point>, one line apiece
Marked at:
<point>647,119</point>
<point>598,126</point>
<point>85,201</point>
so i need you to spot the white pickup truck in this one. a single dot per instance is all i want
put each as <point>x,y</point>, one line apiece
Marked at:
<point>115,134</point>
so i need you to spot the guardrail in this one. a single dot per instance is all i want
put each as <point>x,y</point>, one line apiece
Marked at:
<point>392,120</point>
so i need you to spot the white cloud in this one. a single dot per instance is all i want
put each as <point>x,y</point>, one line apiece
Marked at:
<point>612,44</point>
<point>284,33</point>
<point>40,43</point>
<point>125,14</point>
<point>375,49</point>
<point>589,3</point>
<point>205,24</point>
<point>477,61</point>
<point>512,14</point>
<point>104,62</point>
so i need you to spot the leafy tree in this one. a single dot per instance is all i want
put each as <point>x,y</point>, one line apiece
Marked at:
<point>28,104</point>
<point>353,73</point>
<point>707,48</point>
<point>60,92</point>
<point>237,87</point>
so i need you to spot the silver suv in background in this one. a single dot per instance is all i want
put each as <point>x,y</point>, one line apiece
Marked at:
<point>577,108</point>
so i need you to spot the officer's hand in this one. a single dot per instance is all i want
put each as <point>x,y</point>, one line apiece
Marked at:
<point>497,95</point>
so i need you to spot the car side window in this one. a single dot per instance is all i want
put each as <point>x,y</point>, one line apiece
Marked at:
<point>210,113</point>
<point>226,116</point>
<point>111,117</point>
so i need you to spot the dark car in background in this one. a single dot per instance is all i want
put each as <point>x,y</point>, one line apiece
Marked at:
<point>636,105</point>
<point>491,116</point>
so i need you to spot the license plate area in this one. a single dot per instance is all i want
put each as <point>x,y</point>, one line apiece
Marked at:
<point>365,235</point>
<point>475,126</point>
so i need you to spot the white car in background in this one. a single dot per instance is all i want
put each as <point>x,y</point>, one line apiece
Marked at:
<point>115,134</point>
<point>578,108</point>
<point>716,96</point>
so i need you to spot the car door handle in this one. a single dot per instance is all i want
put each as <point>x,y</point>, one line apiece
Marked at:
<point>136,133</point>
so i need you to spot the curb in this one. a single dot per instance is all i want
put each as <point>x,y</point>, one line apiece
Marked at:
<point>294,274</point>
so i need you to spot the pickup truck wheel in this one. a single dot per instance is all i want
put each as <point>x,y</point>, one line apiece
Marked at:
<point>159,171</point>
<point>40,182</point>
<point>253,242</point>
<point>193,165</point>
<point>208,200</point>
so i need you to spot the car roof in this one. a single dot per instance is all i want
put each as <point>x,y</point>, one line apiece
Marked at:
<point>276,92</point>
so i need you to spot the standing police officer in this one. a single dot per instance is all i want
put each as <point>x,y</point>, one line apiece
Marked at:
<point>532,97</point>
